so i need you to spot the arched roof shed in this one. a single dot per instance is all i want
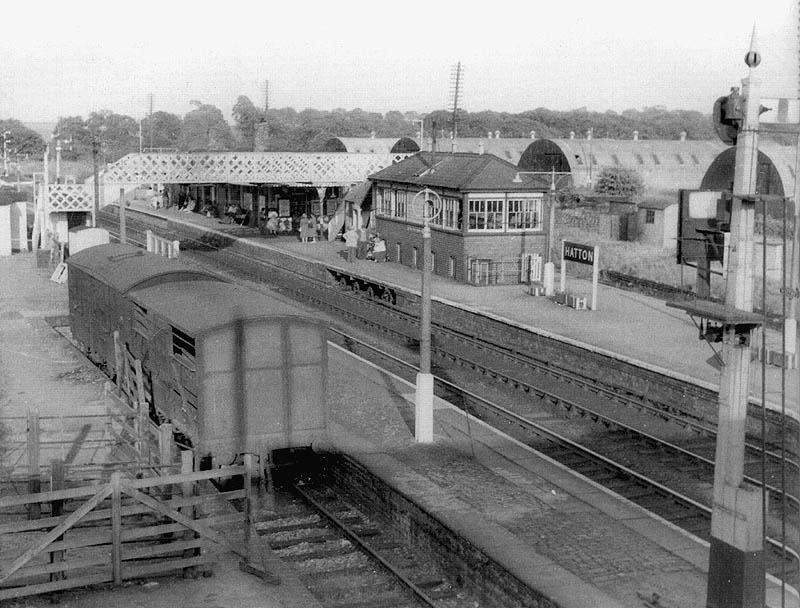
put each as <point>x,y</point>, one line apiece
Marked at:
<point>371,145</point>
<point>665,166</point>
<point>776,170</point>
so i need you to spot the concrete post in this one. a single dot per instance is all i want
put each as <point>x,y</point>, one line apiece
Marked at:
<point>736,575</point>
<point>423,425</point>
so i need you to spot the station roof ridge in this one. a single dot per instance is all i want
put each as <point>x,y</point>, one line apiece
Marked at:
<point>457,170</point>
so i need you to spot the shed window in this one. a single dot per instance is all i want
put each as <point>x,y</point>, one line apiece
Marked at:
<point>649,216</point>
<point>679,159</point>
<point>639,159</point>
<point>655,159</point>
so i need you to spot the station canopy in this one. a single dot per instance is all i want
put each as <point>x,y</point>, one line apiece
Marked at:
<point>309,169</point>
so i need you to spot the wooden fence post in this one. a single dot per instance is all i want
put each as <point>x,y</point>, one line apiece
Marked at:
<point>116,527</point>
<point>57,474</point>
<point>34,481</point>
<point>118,360</point>
<point>248,500</point>
<point>188,490</point>
<point>165,455</point>
<point>142,413</point>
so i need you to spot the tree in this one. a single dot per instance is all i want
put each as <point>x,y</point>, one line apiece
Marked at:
<point>165,129</point>
<point>247,116</point>
<point>205,129</point>
<point>619,181</point>
<point>116,134</point>
<point>20,139</point>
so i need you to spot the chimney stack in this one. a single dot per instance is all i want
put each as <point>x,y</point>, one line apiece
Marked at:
<point>572,134</point>
<point>683,135</point>
<point>636,136</point>
<point>533,134</point>
<point>497,134</point>
<point>480,148</point>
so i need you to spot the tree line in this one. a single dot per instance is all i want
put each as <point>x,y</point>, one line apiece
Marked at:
<point>205,128</point>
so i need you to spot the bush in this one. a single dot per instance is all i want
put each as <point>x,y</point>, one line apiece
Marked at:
<point>619,181</point>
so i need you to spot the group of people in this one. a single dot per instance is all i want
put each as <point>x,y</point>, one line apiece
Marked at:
<point>364,245</point>
<point>308,227</point>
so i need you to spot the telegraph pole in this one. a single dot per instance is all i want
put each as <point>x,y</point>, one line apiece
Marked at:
<point>736,572</point>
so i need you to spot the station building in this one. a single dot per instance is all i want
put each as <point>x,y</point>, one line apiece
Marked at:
<point>491,225</point>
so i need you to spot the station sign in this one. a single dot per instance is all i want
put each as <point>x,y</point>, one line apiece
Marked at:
<point>575,252</point>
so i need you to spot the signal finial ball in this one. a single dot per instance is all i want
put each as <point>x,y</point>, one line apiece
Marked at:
<point>752,58</point>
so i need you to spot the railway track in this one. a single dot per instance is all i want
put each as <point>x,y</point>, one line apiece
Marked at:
<point>635,481</point>
<point>587,400</point>
<point>347,554</point>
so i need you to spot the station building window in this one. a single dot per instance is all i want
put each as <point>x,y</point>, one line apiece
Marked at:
<point>397,251</point>
<point>486,214</point>
<point>451,267</point>
<point>433,262</point>
<point>525,214</point>
<point>414,257</point>
<point>649,216</point>
<point>449,216</point>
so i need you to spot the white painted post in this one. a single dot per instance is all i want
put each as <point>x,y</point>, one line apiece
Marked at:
<point>563,269</point>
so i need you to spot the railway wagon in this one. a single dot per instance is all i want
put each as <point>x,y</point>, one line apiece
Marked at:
<point>233,370</point>
<point>99,279</point>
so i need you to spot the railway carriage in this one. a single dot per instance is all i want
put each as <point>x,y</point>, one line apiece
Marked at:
<point>234,370</point>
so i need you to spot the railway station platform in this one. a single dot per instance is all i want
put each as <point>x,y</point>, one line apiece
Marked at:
<point>577,543</point>
<point>628,326</point>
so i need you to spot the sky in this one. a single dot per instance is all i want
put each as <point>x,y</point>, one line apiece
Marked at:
<point>70,59</point>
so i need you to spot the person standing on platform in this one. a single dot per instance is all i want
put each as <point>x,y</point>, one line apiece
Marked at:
<point>351,240</point>
<point>311,228</point>
<point>379,249</point>
<point>363,244</point>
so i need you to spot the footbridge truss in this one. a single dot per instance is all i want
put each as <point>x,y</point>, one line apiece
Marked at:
<point>315,169</point>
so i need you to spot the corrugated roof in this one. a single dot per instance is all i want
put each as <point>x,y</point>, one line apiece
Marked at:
<point>509,148</point>
<point>125,267</point>
<point>664,165</point>
<point>199,306</point>
<point>370,145</point>
<point>459,171</point>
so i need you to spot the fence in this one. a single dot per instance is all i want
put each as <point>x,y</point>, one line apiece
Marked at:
<point>117,501</point>
<point>137,522</point>
<point>161,246</point>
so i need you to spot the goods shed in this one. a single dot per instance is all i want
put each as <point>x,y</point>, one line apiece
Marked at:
<point>776,168</point>
<point>371,145</point>
<point>665,166</point>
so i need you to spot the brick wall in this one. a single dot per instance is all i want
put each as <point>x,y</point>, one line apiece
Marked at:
<point>446,245</point>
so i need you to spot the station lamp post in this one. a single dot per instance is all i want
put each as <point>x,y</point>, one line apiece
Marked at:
<point>427,205</point>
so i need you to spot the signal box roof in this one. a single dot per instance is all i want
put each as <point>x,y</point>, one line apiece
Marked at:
<point>200,306</point>
<point>461,171</point>
<point>125,267</point>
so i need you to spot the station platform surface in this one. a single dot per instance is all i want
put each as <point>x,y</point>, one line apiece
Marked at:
<point>626,325</point>
<point>575,542</point>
